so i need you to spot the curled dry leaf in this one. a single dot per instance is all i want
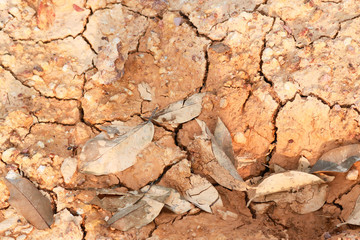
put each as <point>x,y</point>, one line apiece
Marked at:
<point>307,199</point>
<point>181,111</point>
<point>203,194</point>
<point>29,201</point>
<point>338,159</point>
<point>282,182</point>
<point>221,145</point>
<point>103,155</point>
<point>172,199</point>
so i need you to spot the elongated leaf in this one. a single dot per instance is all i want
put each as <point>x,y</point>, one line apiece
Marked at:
<point>102,155</point>
<point>137,215</point>
<point>29,201</point>
<point>113,203</point>
<point>282,182</point>
<point>125,211</point>
<point>223,140</point>
<point>219,149</point>
<point>338,159</point>
<point>181,111</point>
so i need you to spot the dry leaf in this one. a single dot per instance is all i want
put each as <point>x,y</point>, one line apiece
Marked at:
<point>307,199</point>
<point>181,111</point>
<point>282,182</point>
<point>222,149</point>
<point>113,203</point>
<point>203,194</point>
<point>223,141</point>
<point>29,201</point>
<point>339,159</point>
<point>131,209</point>
<point>354,217</point>
<point>172,199</point>
<point>102,155</point>
<point>138,215</point>
<point>135,209</point>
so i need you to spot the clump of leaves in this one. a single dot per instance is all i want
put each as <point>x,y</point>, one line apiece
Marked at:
<point>135,210</point>
<point>222,149</point>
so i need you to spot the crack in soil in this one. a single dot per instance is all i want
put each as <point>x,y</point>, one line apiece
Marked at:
<point>207,64</point>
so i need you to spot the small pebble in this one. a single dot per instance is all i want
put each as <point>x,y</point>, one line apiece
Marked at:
<point>240,138</point>
<point>352,175</point>
<point>40,144</point>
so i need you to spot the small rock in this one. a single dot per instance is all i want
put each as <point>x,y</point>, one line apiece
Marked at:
<point>240,138</point>
<point>261,208</point>
<point>352,175</point>
<point>68,168</point>
<point>304,164</point>
<point>227,215</point>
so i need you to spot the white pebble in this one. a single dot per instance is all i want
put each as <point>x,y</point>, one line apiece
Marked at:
<point>240,138</point>
<point>41,169</point>
<point>352,175</point>
<point>40,144</point>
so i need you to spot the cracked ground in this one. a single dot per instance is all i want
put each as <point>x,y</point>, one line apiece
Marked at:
<point>282,75</point>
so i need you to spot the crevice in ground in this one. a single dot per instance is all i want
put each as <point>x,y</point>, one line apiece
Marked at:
<point>325,102</point>
<point>263,47</point>
<point>345,193</point>
<point>276,223</point>
<point>83,228</point>
<point>34,88</point>
<point>153,230</point>
<point>15,77</point>
<point>207,65</point>
<point>272,149</point>
<point>191,24</point>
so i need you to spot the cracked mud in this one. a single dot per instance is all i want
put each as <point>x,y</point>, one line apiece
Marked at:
<point>281,75</point>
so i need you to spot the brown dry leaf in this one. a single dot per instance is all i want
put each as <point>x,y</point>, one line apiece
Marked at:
<point>203,194</point>
<point>29,201</point>
<point>338,159</point>
<point>181,111</point>
<point>104,155</point>
<point>354,217</point>
<point>282,182</point>
<point>222,149</point>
